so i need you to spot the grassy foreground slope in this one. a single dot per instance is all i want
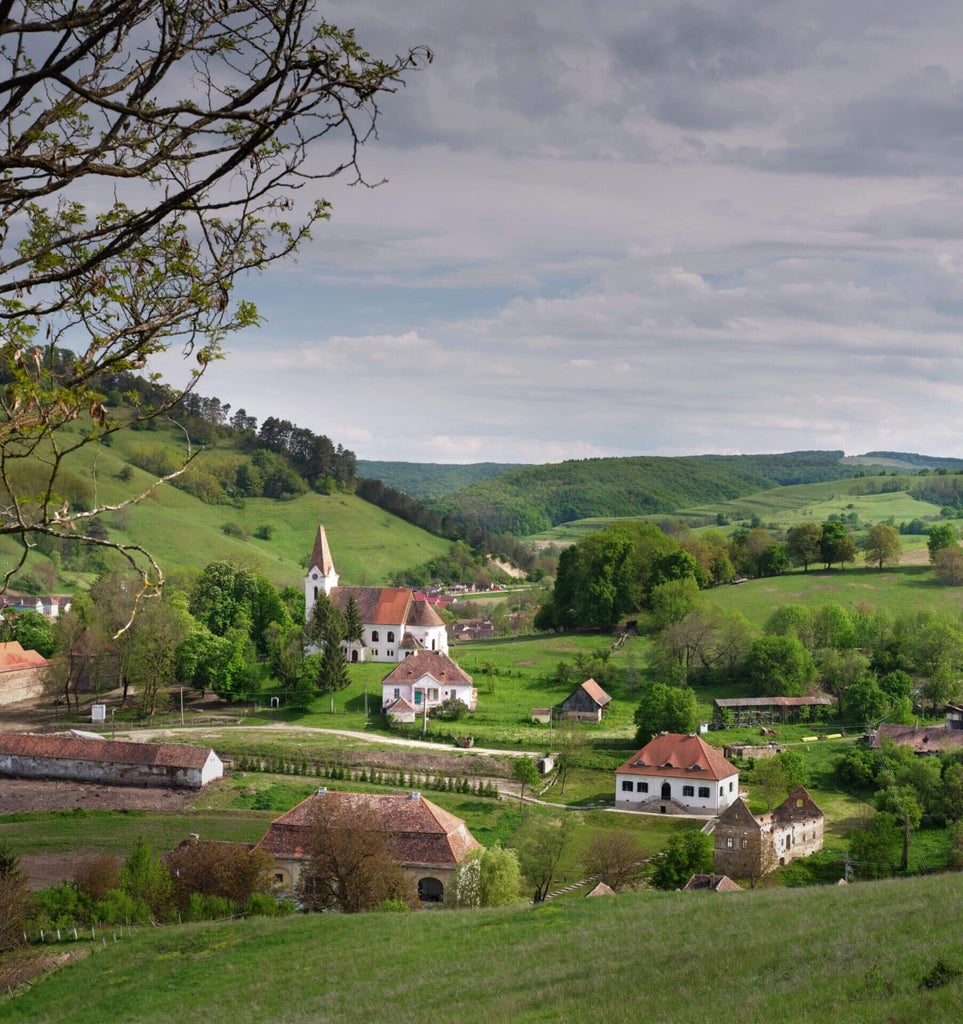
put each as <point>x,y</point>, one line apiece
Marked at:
<point>858,953</point>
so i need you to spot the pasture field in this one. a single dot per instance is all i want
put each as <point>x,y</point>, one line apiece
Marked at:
<point>898,591</point>
<point>870,952</point>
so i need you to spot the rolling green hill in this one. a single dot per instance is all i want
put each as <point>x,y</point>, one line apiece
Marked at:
<point>527,501</point>
<point>882,951</point>
<point>429,479</point>
<point>182,532</point>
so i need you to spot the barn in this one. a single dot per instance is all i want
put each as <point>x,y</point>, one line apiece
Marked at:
<point>109,762</point>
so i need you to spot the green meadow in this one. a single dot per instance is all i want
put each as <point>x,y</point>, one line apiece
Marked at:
<point>886,951</point>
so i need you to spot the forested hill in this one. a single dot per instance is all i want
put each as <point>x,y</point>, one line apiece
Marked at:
<point>429,479</point>
<point>529,500</point>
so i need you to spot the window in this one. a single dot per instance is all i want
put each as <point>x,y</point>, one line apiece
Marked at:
<point>397,693</point>
<point>433,693</point>
<point>626,785</point>
<point>374,635</point>
<point>641,787</point>
<point>722,792</point>
<point>729,842</point>
<point>745,842</point>
<point>730,787</point>
<point>391,636</point>
<point>391,654</point>
<point>688,790</point>
<point>704,792</point>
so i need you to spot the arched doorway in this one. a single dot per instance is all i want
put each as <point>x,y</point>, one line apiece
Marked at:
<point>430,890</point>
<point>666,791</point>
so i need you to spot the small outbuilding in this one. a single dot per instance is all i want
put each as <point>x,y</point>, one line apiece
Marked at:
<point>109,762</point>
<point>587,704</point>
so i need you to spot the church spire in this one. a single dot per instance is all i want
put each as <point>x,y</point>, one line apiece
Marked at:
<point>322,575</point>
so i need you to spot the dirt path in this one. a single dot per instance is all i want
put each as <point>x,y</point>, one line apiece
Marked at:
<point>149,734</point>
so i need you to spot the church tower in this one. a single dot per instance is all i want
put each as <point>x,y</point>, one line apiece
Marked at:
<point>321,577</point>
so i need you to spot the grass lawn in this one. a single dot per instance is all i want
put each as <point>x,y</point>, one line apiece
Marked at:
<point>866,953</point>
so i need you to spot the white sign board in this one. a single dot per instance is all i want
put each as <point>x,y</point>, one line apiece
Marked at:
<point>98,713</point>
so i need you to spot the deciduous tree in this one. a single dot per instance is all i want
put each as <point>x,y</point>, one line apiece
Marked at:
<point>615,858</point>
<point>524,771</point>
<point>154,153</point>
<point>687,853</point>
<point>882,546</point>
<point>542,849</point>
<point>350,869</point>
<point>665,709</point>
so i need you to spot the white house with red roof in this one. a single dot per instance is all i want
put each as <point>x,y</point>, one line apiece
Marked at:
<point>675,773</point>
<point>425,680</point>
<point>395,624</point>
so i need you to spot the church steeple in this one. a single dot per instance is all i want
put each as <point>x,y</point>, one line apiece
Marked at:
<point>322,576</point>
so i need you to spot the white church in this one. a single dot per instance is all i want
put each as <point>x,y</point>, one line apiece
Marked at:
<point>395,624</point>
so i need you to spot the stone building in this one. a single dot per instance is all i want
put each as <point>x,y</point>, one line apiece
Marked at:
<point>428,842</point>
<point>746,846</point>
<point>23,674</point>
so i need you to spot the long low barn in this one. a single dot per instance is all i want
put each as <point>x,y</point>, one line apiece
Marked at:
<point>111,762</point>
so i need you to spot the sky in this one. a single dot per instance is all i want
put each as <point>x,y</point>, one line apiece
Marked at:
<point>612,228</point>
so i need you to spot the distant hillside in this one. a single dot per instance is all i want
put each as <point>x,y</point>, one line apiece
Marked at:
<point>527,501</point>
<point>909,461</point>
<point>272,536</point>
<point>429,479</point>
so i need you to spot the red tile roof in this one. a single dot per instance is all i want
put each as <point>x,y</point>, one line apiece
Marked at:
<point>677,755</point>
<point>439,666</point>
<point>170,755</point>
<point>418,831</point>
<point>14,658</point>
<point>715,883</point>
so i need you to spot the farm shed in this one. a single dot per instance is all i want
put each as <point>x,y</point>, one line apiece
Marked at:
<point>22,673</point>
<point>110,762</point>
<point>586,704</point>
<point>756,710</point>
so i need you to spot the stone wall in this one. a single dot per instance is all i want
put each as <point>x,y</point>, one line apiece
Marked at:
<point>23,684</point>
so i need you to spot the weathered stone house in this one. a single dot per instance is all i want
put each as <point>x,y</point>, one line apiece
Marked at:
<point>428,842</point>
<point>746,846</point>
<point>110,762</point>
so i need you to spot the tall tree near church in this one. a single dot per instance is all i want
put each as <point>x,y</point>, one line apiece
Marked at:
<point>154,152</point>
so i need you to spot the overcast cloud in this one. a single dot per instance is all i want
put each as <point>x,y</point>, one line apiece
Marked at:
<point>733,226</point>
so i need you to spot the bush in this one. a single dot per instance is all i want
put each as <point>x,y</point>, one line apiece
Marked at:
<point>450,710</point>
